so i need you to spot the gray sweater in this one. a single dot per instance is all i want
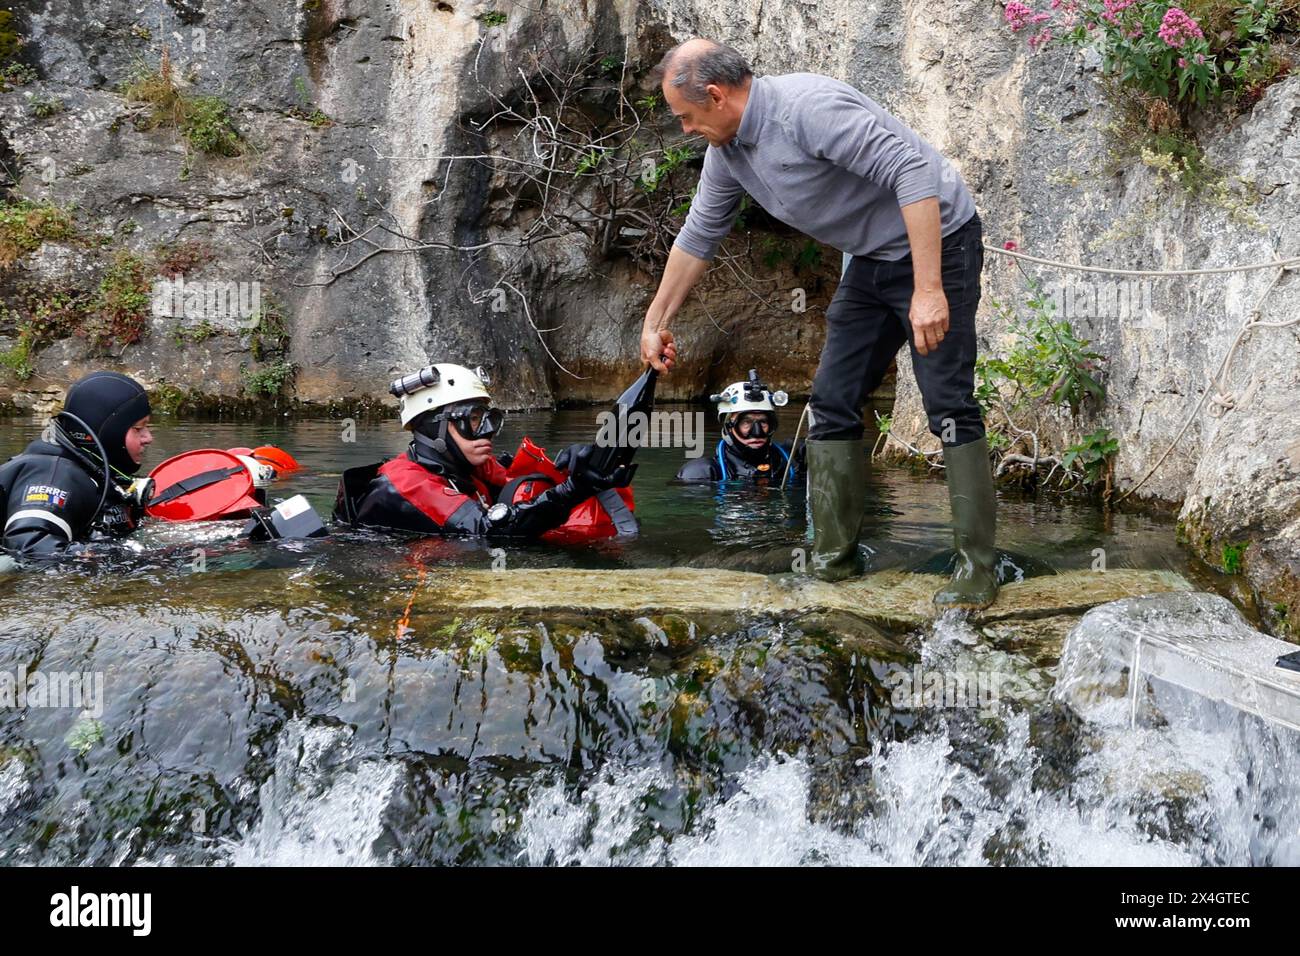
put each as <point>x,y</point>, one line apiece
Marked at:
<point>829,161</point>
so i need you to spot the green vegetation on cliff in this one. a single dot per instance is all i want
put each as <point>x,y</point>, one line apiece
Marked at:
<point>24,225</point>
<point>204,121</point>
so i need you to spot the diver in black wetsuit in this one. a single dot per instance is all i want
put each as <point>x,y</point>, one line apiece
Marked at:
<point>61,489</point>
<point>747,411</point>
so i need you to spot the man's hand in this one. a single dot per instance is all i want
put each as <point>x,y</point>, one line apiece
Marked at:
<point>929,317</point>
<point>929,313</point>
<point>681,273</point>
<point>659,349</point>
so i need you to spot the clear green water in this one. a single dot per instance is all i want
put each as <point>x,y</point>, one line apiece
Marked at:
<point>268,709</point>
<point>693,524</point>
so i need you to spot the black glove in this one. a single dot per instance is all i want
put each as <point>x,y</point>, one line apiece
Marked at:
<point>124,509</point>
<point>119,518</point>
<point>529,519</point>
<point>565,458</point>
<point>576,460</point>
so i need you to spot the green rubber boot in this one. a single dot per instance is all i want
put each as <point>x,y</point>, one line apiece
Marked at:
<point>974,584</point>
<point>837,496</point>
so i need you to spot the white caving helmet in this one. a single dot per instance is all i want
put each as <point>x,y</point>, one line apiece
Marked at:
<point>748,396</point>
<point>435,386</point>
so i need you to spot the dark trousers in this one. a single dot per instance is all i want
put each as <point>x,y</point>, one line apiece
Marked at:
<point>867,323</point>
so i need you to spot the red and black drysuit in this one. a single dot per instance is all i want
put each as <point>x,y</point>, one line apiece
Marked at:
<point>431,490</point>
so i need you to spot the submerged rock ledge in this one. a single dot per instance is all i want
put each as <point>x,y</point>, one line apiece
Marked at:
<point>889,599</point>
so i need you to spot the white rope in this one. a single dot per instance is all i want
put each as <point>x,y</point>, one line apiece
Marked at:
<point>1134,678</point>
<point>794,442</point>
<point>1217,392</point>
<point>1291,263</point>
<point>1223,401</point>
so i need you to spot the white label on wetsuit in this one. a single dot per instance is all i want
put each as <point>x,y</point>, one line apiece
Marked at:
<point>45,495</point>
<point>292,507</point>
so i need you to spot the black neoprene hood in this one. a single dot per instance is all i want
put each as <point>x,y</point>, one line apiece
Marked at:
<point>109,403</point>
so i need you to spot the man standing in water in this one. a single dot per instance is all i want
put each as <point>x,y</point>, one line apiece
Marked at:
<point>822,157</point>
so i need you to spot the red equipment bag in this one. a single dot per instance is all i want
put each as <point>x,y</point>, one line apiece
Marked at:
<point>604,515</point>
<point>202,485</point>
<point>213,485</point>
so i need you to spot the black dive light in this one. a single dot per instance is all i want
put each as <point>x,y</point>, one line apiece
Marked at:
<point>407,384</point>
<point>426,377</point>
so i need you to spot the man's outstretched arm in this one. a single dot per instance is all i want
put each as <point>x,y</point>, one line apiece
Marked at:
<point>713,209</point>
<point>680,275</point>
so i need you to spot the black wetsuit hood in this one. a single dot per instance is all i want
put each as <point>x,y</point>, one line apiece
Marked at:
<point>753,456</point>
<point>751,465</point>
<point>436,450</point>
<point>109,404</point>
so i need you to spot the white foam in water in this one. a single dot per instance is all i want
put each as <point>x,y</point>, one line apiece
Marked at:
<point>1238,781</point>
<point>931,810</point>
<point>1205,787</point>
<point>313,814</point>
<point>592,831</point>
<point>766,824</point>
<point>1198,736</point>
<point>915,781</point>
<point>939,812</point>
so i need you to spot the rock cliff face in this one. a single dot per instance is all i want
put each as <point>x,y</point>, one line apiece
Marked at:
<point>347,109</point>
<point>349,105</point>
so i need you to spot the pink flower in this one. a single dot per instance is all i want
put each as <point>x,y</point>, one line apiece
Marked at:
<point>1010,245</point>
<point>1200,58</point>
<point>1018,15</point>
<point>1113,8</point>
<point>1177,28</point>
<point>1182,62</point>
<point>1038,39</point>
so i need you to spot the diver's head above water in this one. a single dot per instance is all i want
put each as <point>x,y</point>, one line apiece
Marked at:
<point>747,412</point>
<point>116,410</point>
<point>449,411</point>
<point>750,429</point>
